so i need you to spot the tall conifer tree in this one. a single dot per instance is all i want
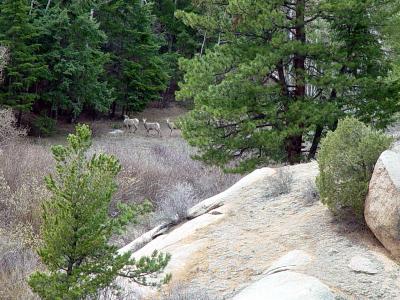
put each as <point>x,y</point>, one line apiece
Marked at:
<point>282,73</point>
<point>23,68</point>
<point>71,46</point>
<point>136,71</point>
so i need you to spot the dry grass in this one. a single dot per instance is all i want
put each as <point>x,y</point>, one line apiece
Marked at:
<point>16,264</point>
<point>22,168</point>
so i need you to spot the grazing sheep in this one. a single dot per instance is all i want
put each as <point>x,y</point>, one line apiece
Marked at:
<point>171,126</point>
<point>129,123</point>
<point>152,126</point>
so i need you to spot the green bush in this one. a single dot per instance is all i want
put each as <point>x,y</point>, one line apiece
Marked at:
<point>44,126</point>
<point>346,161</point>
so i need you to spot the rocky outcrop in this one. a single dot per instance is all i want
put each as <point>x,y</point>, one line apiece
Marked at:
<point>258,246</point>
<point>382,206</point>
<point>145,238</point>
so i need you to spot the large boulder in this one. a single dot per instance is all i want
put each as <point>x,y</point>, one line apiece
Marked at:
<point>286,285</point>
<point>382,206</point>
<point>283,283</point>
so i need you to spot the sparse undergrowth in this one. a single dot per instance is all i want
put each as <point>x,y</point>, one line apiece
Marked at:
<point>8,132</point>
<point>15,265</point>
<point>22,168</point>
<point>280,183</point>
<point>180,291</point>
<point>310,193</point>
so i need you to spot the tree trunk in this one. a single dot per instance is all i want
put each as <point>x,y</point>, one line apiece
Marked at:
<point>333,96</point>
<point>299,58</point>
<point>293,149</point>
<point>113,108</point>
<point>19,118</point>
<point>294,143</point>
<point>204,43</point>
<point>315,142</point>
<point>93,114</point>
<point>48,5</point>
<point>124,111</point>
<point>31,8</point>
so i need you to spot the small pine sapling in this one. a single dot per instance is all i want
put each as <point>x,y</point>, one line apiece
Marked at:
<point>77,227</point>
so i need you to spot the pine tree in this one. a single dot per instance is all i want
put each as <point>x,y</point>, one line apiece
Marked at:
<point>180,40</point>
<point>77,227</point>
<point>23,68</point>
<point>71,46</point>
<point>136,70</point>
<point>282,73</point>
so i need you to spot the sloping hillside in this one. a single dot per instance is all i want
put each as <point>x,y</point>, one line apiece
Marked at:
<point>231,247</point>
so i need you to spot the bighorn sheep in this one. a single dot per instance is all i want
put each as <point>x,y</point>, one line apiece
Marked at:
<point>171,126</point>
<point>129,123</point>
<point>152,126</point>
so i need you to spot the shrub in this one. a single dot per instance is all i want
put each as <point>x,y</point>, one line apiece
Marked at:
<point>346,161</point>
<point>44,126</point>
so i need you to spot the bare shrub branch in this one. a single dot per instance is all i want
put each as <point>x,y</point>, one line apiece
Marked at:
<point>176,202</point>
<point>310,192</point>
